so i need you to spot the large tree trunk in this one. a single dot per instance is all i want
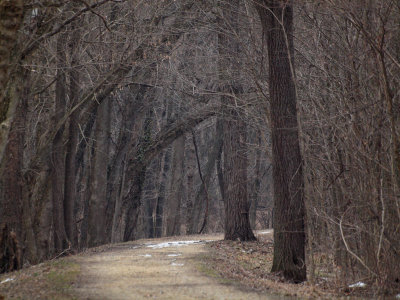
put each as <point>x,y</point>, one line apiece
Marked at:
<point>136,173</point>
<point>118,164</point>
<point>289,211</point>
<point>237,224</point>
<point>98,201</point>
<point>11,18</point>
<point>57,151</point>
<point>149,192</point>
<point>190,167</point>
<point>15,211</point>
<point>176,188</point>
<point>70,192</point>
<point>255,184</point>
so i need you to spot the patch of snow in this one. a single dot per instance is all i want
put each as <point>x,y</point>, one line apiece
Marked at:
<point>357,284</point>
<point>177,264</point>
<point>398,296</point>
<point>173,244</point>
<point>7,280</point>
<point>146,255</point>
<point>265,231</point>
<point>174,254</point>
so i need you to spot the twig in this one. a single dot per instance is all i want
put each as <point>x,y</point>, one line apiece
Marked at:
<point>350,251</point>
<point>383,222</point>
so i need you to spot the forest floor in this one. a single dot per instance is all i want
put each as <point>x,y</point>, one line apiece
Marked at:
<point>185,267</point>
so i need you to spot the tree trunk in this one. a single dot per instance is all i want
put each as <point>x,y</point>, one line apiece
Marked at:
<point>57,151</point>
<point>289,210</point>
<point>70,192</point>
<point>148,197</point>
<point>237,224</point>
<point>98,201</point>
<point>15,212</point>
<point>158,230</point>
<point>11,18</point>
<point>255,185</point>
<point>176,188</point>
<point>199,205</point>
<point>136,173</point>
<point>190,167</point>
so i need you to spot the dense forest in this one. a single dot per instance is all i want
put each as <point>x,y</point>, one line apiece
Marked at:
<point>129,119</point>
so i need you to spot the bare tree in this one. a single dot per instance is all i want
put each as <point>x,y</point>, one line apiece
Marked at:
<point>289,211</point>
<point>237,223</point>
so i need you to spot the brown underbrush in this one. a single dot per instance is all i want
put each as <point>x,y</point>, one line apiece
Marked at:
<point>249,264</point>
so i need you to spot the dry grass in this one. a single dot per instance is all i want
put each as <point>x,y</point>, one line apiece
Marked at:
<point>248,264</point>
<point>243,265</point>
<point>49,280</point>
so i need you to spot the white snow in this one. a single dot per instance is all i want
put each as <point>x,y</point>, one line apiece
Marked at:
<point>177,264</point>
<point>357,284</point>
<point>174,254</point>
<point>7,280</point>
<point>265,231</point>
<point>146,255</point>
<point>173,244</point>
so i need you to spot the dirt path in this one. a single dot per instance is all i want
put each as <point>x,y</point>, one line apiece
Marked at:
<point>154,269</point>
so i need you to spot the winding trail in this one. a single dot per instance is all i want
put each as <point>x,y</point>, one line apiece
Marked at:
<point>154,269</point>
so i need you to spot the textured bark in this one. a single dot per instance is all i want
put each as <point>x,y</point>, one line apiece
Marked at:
<point>11,180</point>
<point>118,163</point>
<point>176,188</point>
<point>220,172</point>
<point>98,201</point>
<point>116,220</point>
<point>289,210</point>
<point>70,192</point>
<point>10,250</point>
<point>165,164</point>
<point>57,151</point>
<point>137,172</point>
<point>255,186</point>
<point>190,167</point>
<point>132,204</point>
<point>237,224</point>
<point>392,206</point>
<point>150,186</point>
<point>11,18</point>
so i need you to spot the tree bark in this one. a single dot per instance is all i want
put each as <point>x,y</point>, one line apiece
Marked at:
<point>190,167</point>
<point>70,192</point>
<point>237,224</point>
<point>176,188</point>
<point>57,151</point>
<point>136,171</point>
<point>201,196</point>
<point>15,212</point>
<point>11,18</point>
<point>255,185</point>
<point>98,201</point>
<point>289,210</point>
<point>158,230</point>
